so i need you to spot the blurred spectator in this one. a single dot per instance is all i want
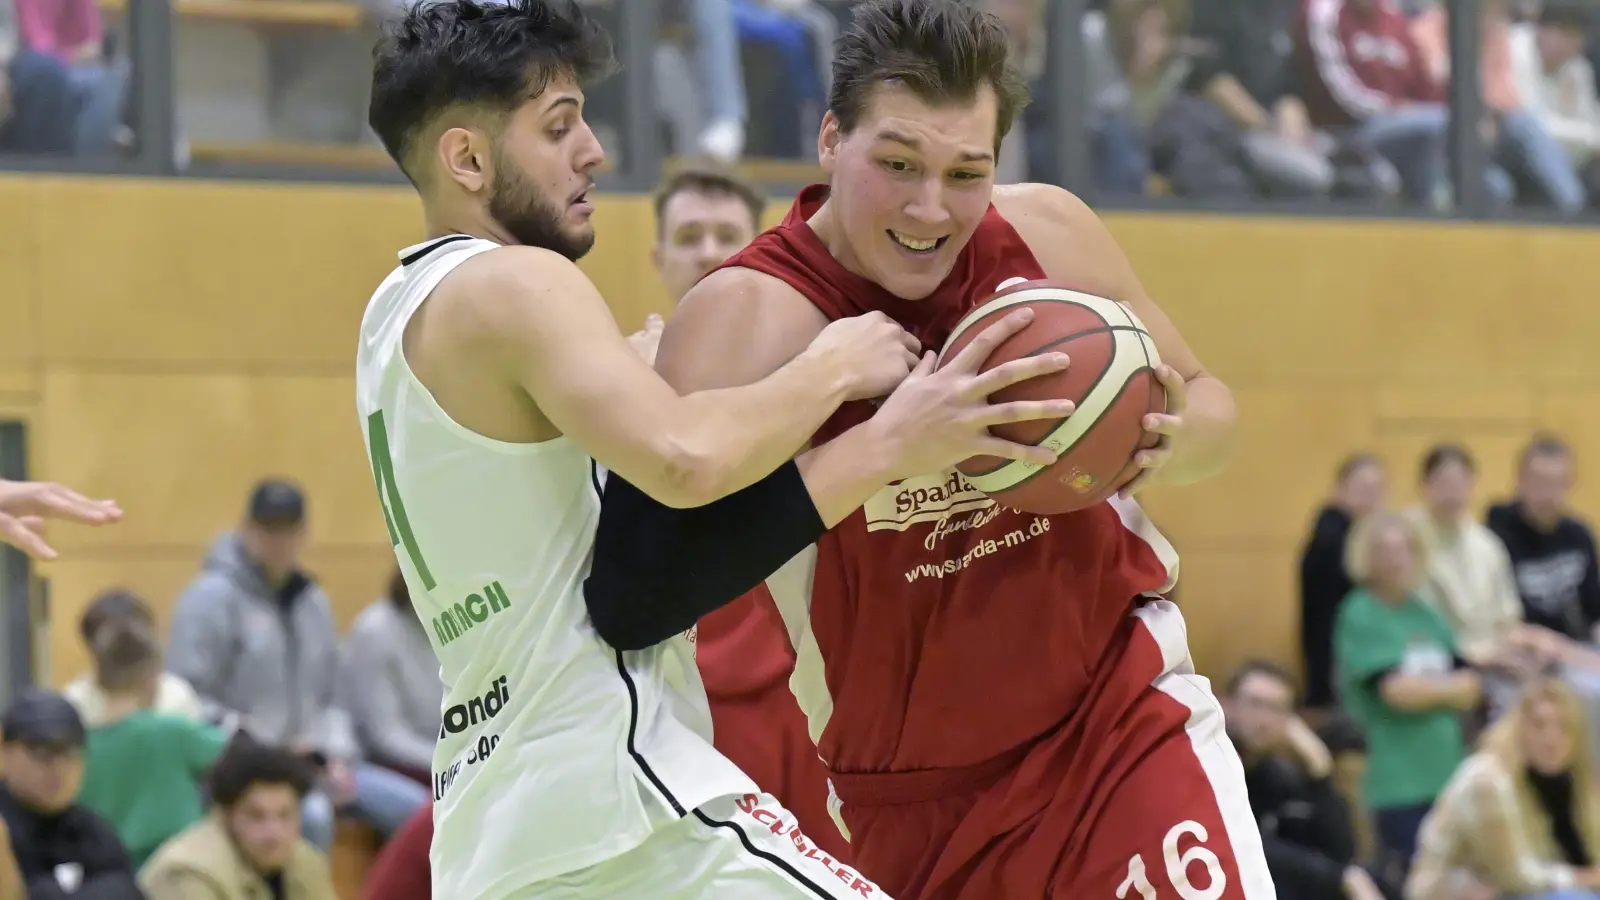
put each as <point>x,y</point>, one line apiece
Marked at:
<point>1520,818</point>
<point>1120,159</point>
<point>1552,552</point>
<point>1358,491</point>
<point>1556,84</point>
<point>143,767</point>
<point>71,31</point>
<point>700,81</point>
<point>1190,141</point>
<point>254,634</point>
<point>391,684</point>
<point>1364,79</point>
<point>119,607</point>
<point>704,215</point>
<point>1468,575</point>
<point>62,848</point>
<point>1029,32</point>
<point>402,870</point>
<point>1305,827</point>
<point>1402,679</point>
<point>37,105</point>
<point>1250,77</point>
<point>1520,143</point>
<point>249,847</point>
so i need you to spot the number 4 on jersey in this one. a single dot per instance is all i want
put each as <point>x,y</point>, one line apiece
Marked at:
<point>394,511</point>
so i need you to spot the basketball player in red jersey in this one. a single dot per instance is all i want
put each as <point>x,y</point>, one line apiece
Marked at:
<point>703,216</point>
<point>1005,702</point>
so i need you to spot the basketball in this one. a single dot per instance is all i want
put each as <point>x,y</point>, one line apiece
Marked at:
<point>1111,378</point>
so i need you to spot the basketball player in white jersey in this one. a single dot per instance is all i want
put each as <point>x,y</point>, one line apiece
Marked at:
<point>495,389</point>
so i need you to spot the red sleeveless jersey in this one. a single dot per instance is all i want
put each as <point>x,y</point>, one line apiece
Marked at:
<point>933,628</point>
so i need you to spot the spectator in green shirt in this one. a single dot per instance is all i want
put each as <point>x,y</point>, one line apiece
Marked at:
<point>143,767</point>
<point>1402,679</point>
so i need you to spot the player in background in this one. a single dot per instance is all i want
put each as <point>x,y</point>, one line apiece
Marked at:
<point>492,383</point>
<point>26,505</point>
<point>1005,702</point>
<point>704,214</point>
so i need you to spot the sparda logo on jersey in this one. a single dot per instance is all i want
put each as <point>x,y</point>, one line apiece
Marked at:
<point>476,711</point>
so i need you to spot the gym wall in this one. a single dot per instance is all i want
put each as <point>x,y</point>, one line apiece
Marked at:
<point>169,342</point>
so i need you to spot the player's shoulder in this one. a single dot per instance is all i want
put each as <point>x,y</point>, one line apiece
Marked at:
<point>496,291</point>
<point>739,285</point>
<point>1033,206</point>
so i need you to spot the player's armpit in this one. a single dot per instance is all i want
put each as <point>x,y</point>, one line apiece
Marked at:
<point>1077,250</point>
<point>553,333</point>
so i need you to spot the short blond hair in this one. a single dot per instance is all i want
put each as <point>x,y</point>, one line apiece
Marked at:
<point>1358,546</point>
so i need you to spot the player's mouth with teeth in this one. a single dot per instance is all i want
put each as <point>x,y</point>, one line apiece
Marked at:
<point>917,245</point>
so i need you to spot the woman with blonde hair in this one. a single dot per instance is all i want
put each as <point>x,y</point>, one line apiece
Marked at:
<point>1520,818</point>
<point>1402,679</point>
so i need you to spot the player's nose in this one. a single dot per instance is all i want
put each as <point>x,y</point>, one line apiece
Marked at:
<point>927,207</point>
<point>590,154</point>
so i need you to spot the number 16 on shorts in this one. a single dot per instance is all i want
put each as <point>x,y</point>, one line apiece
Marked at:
<point>1181,868</point>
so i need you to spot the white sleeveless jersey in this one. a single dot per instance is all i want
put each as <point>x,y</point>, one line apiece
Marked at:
<point>556,751</point>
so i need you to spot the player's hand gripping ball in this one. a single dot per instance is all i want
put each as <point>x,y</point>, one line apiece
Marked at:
<point>1122,425</point>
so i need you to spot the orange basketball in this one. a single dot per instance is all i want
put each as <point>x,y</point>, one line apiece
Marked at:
<point>1111,379</point>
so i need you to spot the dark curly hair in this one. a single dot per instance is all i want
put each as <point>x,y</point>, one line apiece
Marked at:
<point>489,56</point>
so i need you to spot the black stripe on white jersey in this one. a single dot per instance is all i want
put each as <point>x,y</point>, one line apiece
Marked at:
<point>772,858</point>
<point>633,692</point>
<point>431,246</point>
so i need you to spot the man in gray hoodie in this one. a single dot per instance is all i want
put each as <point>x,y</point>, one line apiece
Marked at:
<point>254,634</point>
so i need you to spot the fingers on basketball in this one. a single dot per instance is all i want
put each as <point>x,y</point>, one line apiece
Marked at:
<point>1018,370</point>
<point>1025,411</point>
<point>977,352</point>
<point>1004,449</point>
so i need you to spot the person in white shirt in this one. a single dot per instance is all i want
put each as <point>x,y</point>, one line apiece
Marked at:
<point>1556,83</point>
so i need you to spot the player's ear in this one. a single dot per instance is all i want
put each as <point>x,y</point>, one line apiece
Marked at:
<point>655,255</point>
<point>464,154</point>
<point>828,137</point>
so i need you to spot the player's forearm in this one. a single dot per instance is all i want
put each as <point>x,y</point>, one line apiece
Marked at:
<point>841,474</point>
<point>730,438</point>
<point>658,570</point>
<point>1205,445</point>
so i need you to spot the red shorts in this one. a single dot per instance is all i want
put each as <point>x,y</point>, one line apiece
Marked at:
<point>1137,797</point>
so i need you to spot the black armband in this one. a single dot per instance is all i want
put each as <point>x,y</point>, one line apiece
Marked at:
<point>657,569</point>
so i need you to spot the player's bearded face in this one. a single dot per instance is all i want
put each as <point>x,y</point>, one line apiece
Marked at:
<point>533,218</point>
<point>910,184</point>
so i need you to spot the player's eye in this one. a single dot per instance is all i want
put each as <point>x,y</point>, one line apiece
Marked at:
<point>967,176</point>
<point>897,166</point>
<point>559,132</point>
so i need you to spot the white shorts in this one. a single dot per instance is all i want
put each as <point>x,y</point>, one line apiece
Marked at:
<point>733,848</point>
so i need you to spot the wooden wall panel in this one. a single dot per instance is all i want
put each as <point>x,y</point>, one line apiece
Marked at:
<point>19,313</point>
<point>180,451</point>
<point>229,274</point>
<point>1284,433</point>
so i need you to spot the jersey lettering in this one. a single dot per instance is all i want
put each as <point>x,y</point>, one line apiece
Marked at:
<point>394,511</point>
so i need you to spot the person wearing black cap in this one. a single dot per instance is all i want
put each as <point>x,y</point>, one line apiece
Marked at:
<point>254,635</point>
<point>63,849</point>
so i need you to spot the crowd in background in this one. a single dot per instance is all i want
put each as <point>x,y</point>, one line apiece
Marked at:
<point>1194,98</point>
